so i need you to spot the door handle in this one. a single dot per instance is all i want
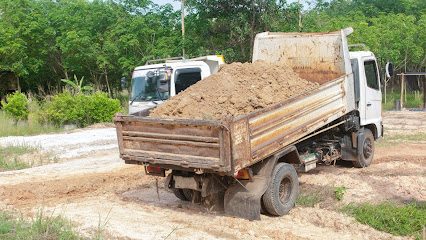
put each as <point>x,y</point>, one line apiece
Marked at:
<point>368,104</point>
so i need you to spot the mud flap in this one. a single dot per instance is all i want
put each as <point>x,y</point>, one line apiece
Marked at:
<point>243,198</point>
<point>361,136</point>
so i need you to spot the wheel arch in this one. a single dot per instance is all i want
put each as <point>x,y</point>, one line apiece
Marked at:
<point>373,128</point>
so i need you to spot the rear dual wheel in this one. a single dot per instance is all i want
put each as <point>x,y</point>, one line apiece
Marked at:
<point>187,195</point>
<point>179,194</point>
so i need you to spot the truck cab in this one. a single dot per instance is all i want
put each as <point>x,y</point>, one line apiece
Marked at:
<point>154,84</point>
<point>368,95</point>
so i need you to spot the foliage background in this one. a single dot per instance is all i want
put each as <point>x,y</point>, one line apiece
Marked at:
<point>44,41</point>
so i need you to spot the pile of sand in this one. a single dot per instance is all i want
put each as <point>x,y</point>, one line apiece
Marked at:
<point>236,89</point>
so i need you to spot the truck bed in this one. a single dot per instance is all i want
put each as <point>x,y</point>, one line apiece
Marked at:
<point>228,146</point>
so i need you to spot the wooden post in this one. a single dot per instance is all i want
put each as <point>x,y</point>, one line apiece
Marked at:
<point>402,89</point>
<point>183,28</point>
<point>385,90</point>
<point>424,93</point>
<point>405,90</point>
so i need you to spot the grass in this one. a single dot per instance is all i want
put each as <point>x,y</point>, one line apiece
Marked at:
<point>413,100</point>
<point>10,157</point>
<point>397,219</point>
<point>9,128</point>
<point>102,226</point>
<point>308,200</point>
<point>14,226</point>
<point>397,139</point>
<point>311,195</point>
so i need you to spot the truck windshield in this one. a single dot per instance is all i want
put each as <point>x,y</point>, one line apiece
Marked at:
<point>145,86</point>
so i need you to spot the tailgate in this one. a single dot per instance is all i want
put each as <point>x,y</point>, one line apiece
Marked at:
<point>176,143</point>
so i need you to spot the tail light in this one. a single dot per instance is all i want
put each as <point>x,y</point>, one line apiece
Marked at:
<point>244,174</point>
<point>155,171</point>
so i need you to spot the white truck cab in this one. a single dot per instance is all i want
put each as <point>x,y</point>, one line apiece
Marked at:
<point>368,95</point>
<point>154,84</point>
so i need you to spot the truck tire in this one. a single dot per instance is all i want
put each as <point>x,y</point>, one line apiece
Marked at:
<point>192,195</point>
<point>179,194</point>
<point>366,157</point>
<point>282,192</point>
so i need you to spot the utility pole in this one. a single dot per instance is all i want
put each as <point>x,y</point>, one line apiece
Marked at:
<point>183,27</point>
<point>300,17</point>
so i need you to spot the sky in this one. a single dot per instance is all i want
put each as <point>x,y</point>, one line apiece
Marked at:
<point>176,4</point>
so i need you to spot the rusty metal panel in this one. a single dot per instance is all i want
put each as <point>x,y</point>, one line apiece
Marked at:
<point>198,144</point>
<point>280,125</point>
<point>240,135</point>
<point>119,136</point>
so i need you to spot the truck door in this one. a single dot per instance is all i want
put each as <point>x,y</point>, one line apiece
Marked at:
<point>373,95</point>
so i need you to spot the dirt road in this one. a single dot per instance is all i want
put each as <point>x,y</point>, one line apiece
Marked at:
<point>91,185</point>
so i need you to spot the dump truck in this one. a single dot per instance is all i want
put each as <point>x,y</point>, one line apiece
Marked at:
<point>153,83</point>
<point>252,160</point>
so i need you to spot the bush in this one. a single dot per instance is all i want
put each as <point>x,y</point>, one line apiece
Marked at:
<point>60,109</point>
<point>103,108</point>
<point>16,106</point>
<point>82,109</point>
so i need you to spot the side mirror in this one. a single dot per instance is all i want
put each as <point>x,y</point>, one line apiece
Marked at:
<point>123,83</point>
<point>163,80</point>
<point>389,69</point>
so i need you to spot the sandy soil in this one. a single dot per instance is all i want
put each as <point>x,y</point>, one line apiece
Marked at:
<point>236,90</point>
<point>92,185</point>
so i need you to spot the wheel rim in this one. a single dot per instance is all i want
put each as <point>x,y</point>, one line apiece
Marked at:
<point>285,190</point>
<point>367,148</point>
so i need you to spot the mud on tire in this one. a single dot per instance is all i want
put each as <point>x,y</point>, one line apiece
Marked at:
<point>282,192</point>
<point>366,157</point>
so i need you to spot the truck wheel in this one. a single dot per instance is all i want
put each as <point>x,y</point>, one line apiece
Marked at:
<point>366,157</point>
<point>281,194</point>
<point>192,195</point>
<point>179,194</point>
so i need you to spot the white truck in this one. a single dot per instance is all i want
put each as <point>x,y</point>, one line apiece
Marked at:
<point>251,160</point>
<point>153,84</point>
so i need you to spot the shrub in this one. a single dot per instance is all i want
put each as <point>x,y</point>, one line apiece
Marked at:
<point>61,109</point>
<point>104,108</point>
<point>82,109</point>
<point>16,106</point>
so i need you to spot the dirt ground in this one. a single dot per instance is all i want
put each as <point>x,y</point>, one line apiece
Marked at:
<point>236,89</point>
<point>90,185</point>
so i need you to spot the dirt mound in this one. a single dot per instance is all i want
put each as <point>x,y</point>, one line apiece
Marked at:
<point>237,89</point>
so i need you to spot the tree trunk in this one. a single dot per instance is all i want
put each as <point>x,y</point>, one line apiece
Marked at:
<point>59,85</point>
<point>107,83</point>
<point>252,34</point>
<point>242,50</point>
<point>17,81</point>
